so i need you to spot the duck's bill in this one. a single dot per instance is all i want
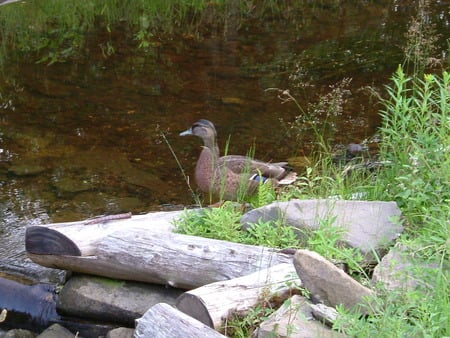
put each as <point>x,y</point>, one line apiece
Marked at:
<point>186,132</point>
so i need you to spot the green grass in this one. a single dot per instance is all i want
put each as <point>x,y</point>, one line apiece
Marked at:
<point>415,150</point>
<point>416,142</point>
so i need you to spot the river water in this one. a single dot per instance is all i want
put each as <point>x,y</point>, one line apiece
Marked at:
<point>85,137</point>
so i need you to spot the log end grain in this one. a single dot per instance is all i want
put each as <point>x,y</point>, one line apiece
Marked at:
<point>194,307</point>
<point>44,241</point>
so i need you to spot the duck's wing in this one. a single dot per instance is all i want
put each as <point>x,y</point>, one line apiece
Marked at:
<point>244,164</point>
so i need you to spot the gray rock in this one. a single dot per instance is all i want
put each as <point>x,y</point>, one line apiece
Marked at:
<point>56,331</point>
<point>294,319</point>
<point>327,283</point>
<point>19,333</point>
<point>324,314</point>
<point>111,300</point>
<point>369,225</point>
<point>120,332</point>
<point>399,271</point>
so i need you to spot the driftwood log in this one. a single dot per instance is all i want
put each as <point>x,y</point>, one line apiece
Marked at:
<point>80,238</point>
<point>147,255</point>
<point>162,321</point>
<point>213,304</point>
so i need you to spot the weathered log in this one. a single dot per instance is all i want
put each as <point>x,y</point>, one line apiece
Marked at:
<point>162,321</point>
<point>180,261</point>
<point>213,304</point>
<point>80,238</point>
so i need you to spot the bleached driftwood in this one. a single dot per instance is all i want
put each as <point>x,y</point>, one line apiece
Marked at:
<point>212,304</point>
<point>167,258</point>
<point>162,321</point>
<point>81,238</point>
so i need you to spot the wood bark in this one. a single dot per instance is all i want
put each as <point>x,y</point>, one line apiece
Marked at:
<point>213,304</point>
<point>162,321</point>
<point>167,258</point>
<point>81,238</point>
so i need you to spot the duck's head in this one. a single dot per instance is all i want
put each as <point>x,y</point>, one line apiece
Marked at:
<point>204,129</point>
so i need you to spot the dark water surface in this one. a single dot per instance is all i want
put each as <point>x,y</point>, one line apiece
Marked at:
<point>83,138</point>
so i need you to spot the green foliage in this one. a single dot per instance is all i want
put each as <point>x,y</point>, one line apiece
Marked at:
<point>265,195</point>
<point>422,312</point>
<point>223,223</point>
<point>271,234</point>
<point>327,241</point>
<point>243,326</point>
<point>219,223</point>
<point>416,141</point>
<point>318,118</point>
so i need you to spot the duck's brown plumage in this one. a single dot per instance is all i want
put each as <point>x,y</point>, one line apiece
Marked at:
<point>230,176</point>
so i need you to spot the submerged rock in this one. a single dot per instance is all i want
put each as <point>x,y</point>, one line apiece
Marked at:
<point>26,169</point>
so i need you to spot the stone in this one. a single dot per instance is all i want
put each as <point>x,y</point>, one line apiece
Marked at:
<point>108,300</point>
<point>56,331</point>
<point>370,226</point>
<point>324,314</point>
<point>328,284</point>
<point>19,333</point>
<point>26,169</point>
<point>294,319</point>
<point>72,185</point>
<point>399,271</point>
<point>121,332</point>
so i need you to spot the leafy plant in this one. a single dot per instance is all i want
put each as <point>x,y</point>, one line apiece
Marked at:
<point>272,234</point>
<point>219,223</point>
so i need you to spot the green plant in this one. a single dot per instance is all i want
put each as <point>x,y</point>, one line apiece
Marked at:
<point>243,326</point>
<point>422,312</point>
<point>421,41</point>
<point>317,118</point>
<point>271,234</point>
<point>328,241</point>
<point>219,223</point>
<point>416,141</point>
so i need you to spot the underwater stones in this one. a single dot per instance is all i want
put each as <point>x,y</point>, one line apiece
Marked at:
<point>26,168</point>
<point>72,185</point>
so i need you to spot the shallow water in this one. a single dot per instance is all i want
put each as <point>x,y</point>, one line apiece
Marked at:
<point>84,138</point>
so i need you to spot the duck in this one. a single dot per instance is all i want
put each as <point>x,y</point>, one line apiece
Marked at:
<point>232,177</point>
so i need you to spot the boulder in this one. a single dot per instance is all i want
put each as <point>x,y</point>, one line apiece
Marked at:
<point>56,331</point>
<point>324,314</point>
<point>121,332</point>
<point>398,270</point>
<point>294,319</point>
<point>369,225</point>
<point>327,283</point>
<point>111,300</point>
<point>19,333</point>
